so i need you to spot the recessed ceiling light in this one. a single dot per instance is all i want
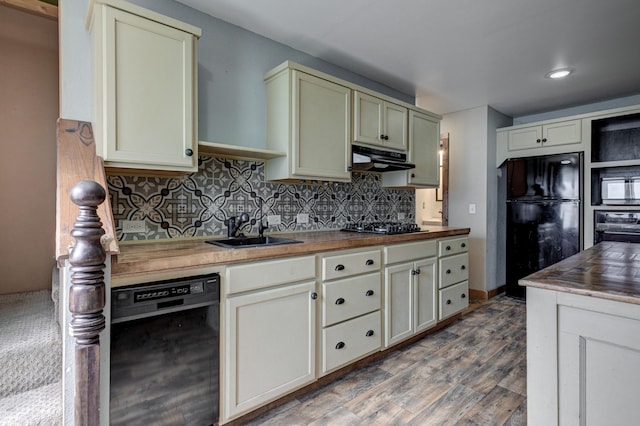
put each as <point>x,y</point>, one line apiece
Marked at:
<point>559,73</point>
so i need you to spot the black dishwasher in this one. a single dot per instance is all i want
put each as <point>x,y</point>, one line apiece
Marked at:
<point>165,352</point>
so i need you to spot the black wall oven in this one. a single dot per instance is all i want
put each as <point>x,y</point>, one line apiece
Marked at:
<point>165,352</point>
<point>615,225</point>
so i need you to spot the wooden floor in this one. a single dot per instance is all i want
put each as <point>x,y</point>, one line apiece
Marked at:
<point>470,373</point>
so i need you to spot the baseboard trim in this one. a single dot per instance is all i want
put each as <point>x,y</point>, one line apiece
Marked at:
<point>485,295</point>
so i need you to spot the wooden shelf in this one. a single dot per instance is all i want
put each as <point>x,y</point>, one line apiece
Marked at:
<point>35,7</point>
<point>237,152</point>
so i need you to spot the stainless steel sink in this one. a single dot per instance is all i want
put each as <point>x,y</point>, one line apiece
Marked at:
<point>248,242</point>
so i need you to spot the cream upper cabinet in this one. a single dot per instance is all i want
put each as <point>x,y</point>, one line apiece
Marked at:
<point>378,122</point>
<point>309,118</point>
<point>545,138</point>
<point>424,144</point>
<point>145,78</point>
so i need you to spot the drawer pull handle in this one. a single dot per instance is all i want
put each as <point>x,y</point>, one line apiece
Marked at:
<point>448,271</point>
<point>369,262</point>
<point>463,296</point>
<point>369,333</point>
<point>448,247</point>
<point>340,301</point>
<point>340,345</point>
<point>339,267</point>
<point>463,245</point>
<point>448,301</point>
<point>369,293</point>
<point>314,295</point>
<point>463,267</point>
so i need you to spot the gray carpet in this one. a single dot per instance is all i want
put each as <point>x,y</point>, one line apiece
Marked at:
<point>30,360</point>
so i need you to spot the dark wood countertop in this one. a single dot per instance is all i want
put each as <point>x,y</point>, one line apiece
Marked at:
<point>608,270</point>
<point>157,257</point>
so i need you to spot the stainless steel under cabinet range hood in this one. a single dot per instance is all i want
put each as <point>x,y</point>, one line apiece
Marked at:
<point>367,159</point>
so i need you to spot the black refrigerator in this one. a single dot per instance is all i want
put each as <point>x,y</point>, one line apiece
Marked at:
<point>543,214</point>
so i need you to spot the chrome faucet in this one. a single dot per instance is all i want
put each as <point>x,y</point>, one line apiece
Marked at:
<point>261,226</point>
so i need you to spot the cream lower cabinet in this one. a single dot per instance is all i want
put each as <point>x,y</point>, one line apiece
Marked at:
<point>583,360</point>
<point>309,118</point>
<point>351,298</point>
<point>145,69</point>
<point>410,290</point>
<point>269,333</point>
<point>453,276</point>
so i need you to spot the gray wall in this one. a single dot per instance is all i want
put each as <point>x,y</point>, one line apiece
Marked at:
<point>231,65</point>
<point>581,109</point>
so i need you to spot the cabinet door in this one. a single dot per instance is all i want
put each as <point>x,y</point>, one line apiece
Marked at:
<point>424,293</point>
<point>395,126</point>
<point>563,133</point>
<point>322,121</point>
<point>258,367</point>
<point>424,144</point>
<point>398,303</point>
<point>598,368</point>
<point>146,101</point>
<point>368,113</point>
<point>529,137</point>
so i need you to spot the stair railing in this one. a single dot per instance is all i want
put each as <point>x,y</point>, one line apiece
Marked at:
<point>87,299</point>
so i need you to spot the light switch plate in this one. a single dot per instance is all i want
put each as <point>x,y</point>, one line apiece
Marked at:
<point>401,215</point>
<point>302,218</point>
<point>133,226</point>
<point>472,208</point>
<point>274,219</point>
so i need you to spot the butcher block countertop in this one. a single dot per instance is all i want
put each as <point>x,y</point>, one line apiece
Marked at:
<point>142,259</point>
<point>608,270</point>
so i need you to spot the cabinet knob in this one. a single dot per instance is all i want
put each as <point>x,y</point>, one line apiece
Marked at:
<point>544,140</point>
<point>369,293</point>
<point>418,271</point>
<point>463,296</point>
<point>448,248</point>
<point>381,137</point>
<point>369,333</point>
<point>463,267</point>
<point>340,345</point>
<point>448,271</point>
<point>463,245</point>
<point>340,267</point>
<point>538,141</point>
<point>314,295</point>
<point>448,301</point>
<point>188,152</point>
<point>339,301</point>
<point>413,175</point>
<point>386,137</point>
<point>413,272</point>
<point>369,262</point>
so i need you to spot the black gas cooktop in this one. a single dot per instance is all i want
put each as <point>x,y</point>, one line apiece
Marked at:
<point>384,228</point>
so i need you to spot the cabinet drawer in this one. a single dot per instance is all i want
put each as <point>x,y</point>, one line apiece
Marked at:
<point>453,269</point>
<point>410,251</point>
<point>350,297</point>
<point>454,299</point>
<point>350,340</point>
<point>453,246</point>
<point>258,275</point>
<point>346,265</point>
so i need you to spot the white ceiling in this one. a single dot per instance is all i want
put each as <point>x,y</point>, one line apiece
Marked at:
<point>459,54</point>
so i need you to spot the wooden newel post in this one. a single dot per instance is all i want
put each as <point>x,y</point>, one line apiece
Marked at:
<point>87,299</point>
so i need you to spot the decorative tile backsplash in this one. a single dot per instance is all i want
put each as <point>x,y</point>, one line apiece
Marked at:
<point>197,205</point>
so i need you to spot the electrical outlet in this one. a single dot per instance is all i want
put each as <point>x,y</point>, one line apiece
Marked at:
<point>401,215</point>
<point>133,226</point>
<point>302,218</point>
<point>274,219</point>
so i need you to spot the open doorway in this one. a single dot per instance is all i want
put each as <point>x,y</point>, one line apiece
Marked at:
<point>432,204</point>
